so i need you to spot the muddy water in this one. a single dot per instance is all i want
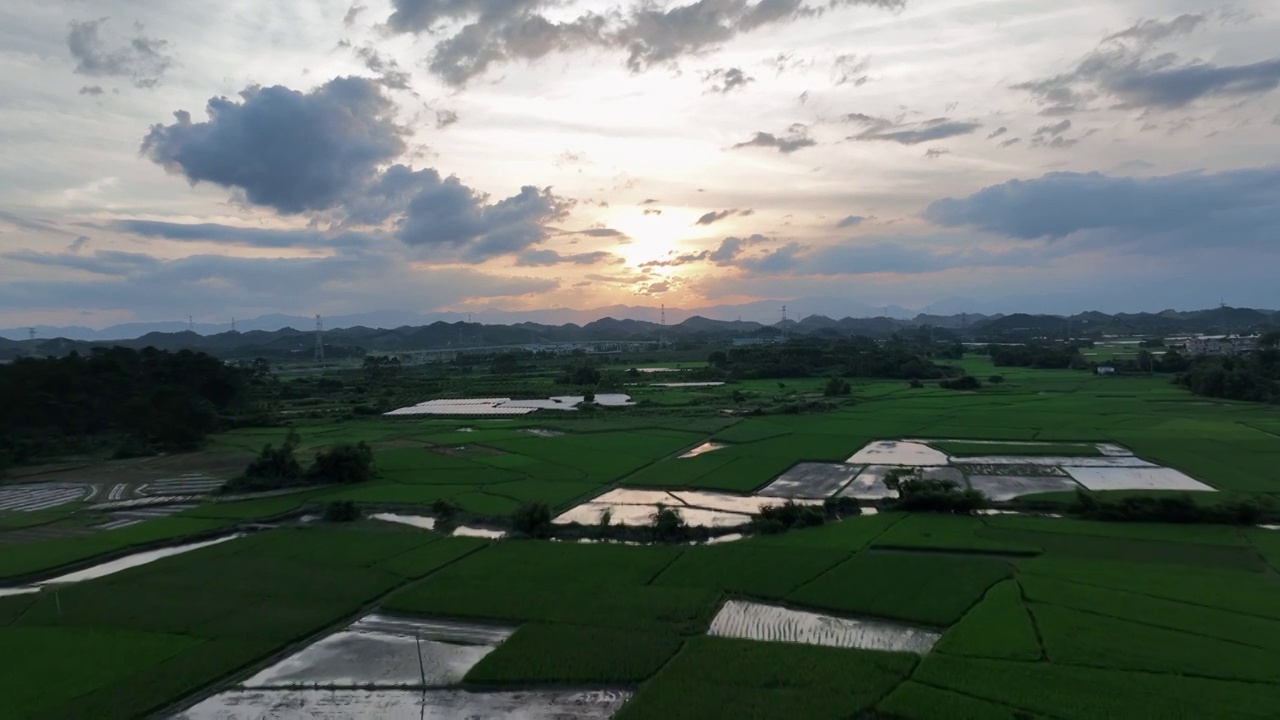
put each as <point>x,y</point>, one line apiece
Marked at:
<point>869,484</point>
<point>812,480</point>
<point>380,651</point>
<point>407,705</point>
<point>1135,478</point>
<point>418,521</point>
<point>703,449</point>
<point>1008,487</point>
<point>467,531</point>
<point>756,621</point>
<point>1122,461</point>
<point>131,561</point>
<point>730,503</point>
<point>895,452</point>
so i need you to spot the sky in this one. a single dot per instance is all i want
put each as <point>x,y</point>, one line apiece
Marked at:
<point>234,159</point>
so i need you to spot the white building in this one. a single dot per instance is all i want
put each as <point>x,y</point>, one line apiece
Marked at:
<point>1221,344</point>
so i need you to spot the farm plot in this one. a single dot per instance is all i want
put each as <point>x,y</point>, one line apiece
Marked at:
<point>929,589</point>
<point>561,653</point>
<point>32,497</point>
<point>811,480</point>
<point>722,678</point>
<point>408,705</point>
<point>380,651</point>
<point>750,569</point>
<point>699,509</point>
<point>756,621</point>
<point>997,627</point>
<point>898,452</point>
<point>870,484</point>
<point>1149,478</point>
<point>1000,488</point>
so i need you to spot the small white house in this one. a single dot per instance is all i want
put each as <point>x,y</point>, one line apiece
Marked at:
<point>1106,370</point>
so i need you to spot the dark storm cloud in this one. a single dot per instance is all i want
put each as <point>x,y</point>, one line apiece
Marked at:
<point>797,138</point>
<point>783,259</point>
<point>1235,206</point>
<point>493,32</point>
<point>251,237</point>
<point>547,258</point>
<point>141,59</point>
<point>1126,68</point>
<point>909,133</point>
<point>850,221</point>
<point>726,80</point>
<point>285,149</point>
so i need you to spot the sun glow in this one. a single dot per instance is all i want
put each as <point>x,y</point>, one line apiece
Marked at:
<point>654,236</point>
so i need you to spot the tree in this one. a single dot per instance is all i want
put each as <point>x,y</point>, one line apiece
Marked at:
<point>836,386</point>
<point>341,511</point>
<point>343,464</point>
<point>668,525</point>
<point>718,359</point>
<point>964,382</point>
<point>532,519</point>
<point>505,364</point>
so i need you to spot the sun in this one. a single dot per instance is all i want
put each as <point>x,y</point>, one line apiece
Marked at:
<point>653,235</point>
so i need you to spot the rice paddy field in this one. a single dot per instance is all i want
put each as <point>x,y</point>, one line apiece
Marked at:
<point>1006,616</point>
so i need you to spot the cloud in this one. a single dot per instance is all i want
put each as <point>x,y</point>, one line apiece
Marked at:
<point>250,237</point>
<point>730,249</point>
<point>850,221</point>
<point>652,211</point>
<point>850,69</point>
<point>1010,142</point>
<point>997,132</point>
<point>1127,69</point>
<point>650,201</point>
<point>78,244</point>
<point>445,118</point>
<point>162,288</point>
<point>91,90</point>
<point>909,133</point>
<point>479,34</point>
<point>142,60</point>
<point>1052,130</point>
<point>388,70</point>
<point>656,288</point>
<point>781,260</point>
<point>285,149</point>
<point>714,216</point>
<point>797,137</point>
<point>726,80</point>
<point>1151,30</point>
<point>935,153</point>
<point>1194,209</point>
<point>547,258</point>
<point>353,13</point>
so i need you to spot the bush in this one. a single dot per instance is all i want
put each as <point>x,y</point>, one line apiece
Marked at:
<point>1176,509</point>
<point>341,511</point>
<point>277,463</point>
<point>940,496</point>
<point>532,519</point>
<point>915,384</point>
<point>342,464</point>
<point>668,526</point>
<point>964,382</point>
<point>995,379</point>
<point>836,386</point>
<point>444,508</point>
<point>841,506</point>
<point>789,515</point>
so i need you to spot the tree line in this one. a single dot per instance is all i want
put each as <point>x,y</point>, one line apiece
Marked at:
<point>145,400</point>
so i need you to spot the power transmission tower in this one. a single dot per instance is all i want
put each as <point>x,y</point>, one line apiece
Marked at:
<point>31,333</point>
<point>662,334</point>
<point>233,324</point>
<point>191,324</point>
<point>319,341</point>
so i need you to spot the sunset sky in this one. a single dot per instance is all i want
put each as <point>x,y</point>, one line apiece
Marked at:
<point>160,159</point>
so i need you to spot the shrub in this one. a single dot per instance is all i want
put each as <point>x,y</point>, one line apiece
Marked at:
<point>964,382</point>
<point>444,508</point>
<point>941,496</point>
<point>342,464</point>
<point>995,379</point>
<point>532,519</point>
<point>777,518</point>
<point>341,511</point>
<point>836,386</point>
<point>668,525</point>
<point>916,384</point>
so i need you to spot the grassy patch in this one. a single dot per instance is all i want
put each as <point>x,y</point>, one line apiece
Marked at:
<point>761,571</point>
<point>913,701</point>
<point>958,533</point>
<point>960,448</point>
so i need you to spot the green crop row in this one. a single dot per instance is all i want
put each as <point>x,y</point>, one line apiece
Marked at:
<point>542,653</point>
<point>1080,693</point>
<point>714,678</point>
<point>930,589</point>
<point>758,571</point>
<point>997,627</point>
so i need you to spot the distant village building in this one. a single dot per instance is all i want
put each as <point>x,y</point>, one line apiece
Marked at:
<point>1221,344</point>
<point>749,341</point>
<point>1106,370</point>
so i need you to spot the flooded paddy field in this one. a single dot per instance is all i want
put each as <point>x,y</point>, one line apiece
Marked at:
<point>697,508</point>
<point>812,480</point>
<point>898,452</point>
<point>1135,478</point>
<point>1001,488</point>
<point>703,449</point>
<point>773,623</point>
<point>382,651</point>
<point>408,705</point>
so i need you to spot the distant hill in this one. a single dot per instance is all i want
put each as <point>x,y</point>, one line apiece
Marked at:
<point>291,342</point>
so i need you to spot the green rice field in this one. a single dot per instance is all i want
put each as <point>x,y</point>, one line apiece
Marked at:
<point>1037,617</point>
